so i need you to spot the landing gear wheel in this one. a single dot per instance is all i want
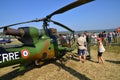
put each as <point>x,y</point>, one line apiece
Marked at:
<point>38,62</point>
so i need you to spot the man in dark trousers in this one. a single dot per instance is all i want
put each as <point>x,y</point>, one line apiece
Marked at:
<point>88,40</point>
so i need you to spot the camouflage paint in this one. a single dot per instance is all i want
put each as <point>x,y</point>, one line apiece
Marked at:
<point>44,48</point>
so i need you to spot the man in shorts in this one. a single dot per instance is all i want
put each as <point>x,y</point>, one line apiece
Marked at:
<point>81,47</point>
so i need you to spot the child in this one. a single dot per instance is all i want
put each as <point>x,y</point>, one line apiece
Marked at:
<point>101,49</point>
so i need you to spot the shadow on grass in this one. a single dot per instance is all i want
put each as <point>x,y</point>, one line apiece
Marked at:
<point>28,67</point>
<point>72,72</point>
<point>93,61</point>
<point>75,59</point>
<point>111,61</point>
<point>11,75</point>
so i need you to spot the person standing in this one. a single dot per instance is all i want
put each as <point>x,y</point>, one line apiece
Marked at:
<point>104,38</point>
<point>115,35</point>
<point>109,37</point>
<point>101,49</point>
<point>94,37</point>
<point>88,43</point>
<point>81,47</point>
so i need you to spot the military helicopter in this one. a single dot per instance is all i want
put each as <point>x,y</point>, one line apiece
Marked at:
<point>37,45</point>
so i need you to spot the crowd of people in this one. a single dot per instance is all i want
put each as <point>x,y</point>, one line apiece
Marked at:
<point>101,39</point>
<point>107,37</point>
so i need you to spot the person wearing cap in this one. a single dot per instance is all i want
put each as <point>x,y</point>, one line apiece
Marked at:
<point>101,49</point>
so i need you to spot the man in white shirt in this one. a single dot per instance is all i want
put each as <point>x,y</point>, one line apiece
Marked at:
<point>81,41</point>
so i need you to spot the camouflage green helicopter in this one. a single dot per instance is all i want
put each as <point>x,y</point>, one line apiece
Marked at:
<point>37,45</point>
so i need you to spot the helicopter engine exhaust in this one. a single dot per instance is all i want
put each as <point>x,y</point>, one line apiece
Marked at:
<point>14,32</point>
<point>29,36</point>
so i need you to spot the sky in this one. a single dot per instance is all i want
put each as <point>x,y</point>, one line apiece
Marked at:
<point>95,15</point>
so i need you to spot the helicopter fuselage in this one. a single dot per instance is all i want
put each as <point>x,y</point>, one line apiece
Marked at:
<point>44,48</point>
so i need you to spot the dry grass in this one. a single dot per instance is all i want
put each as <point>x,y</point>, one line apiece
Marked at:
<point>73,70</point>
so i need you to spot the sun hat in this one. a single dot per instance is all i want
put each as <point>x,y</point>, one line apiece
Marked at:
<point>99,39</point>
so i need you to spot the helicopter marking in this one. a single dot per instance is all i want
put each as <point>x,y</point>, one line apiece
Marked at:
<point>9,56</point>
<point>25,53</point>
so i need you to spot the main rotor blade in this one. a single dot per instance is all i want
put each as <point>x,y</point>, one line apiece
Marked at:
<point>36,20</point>
<point>57,23</point>
<point>70,6</point>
